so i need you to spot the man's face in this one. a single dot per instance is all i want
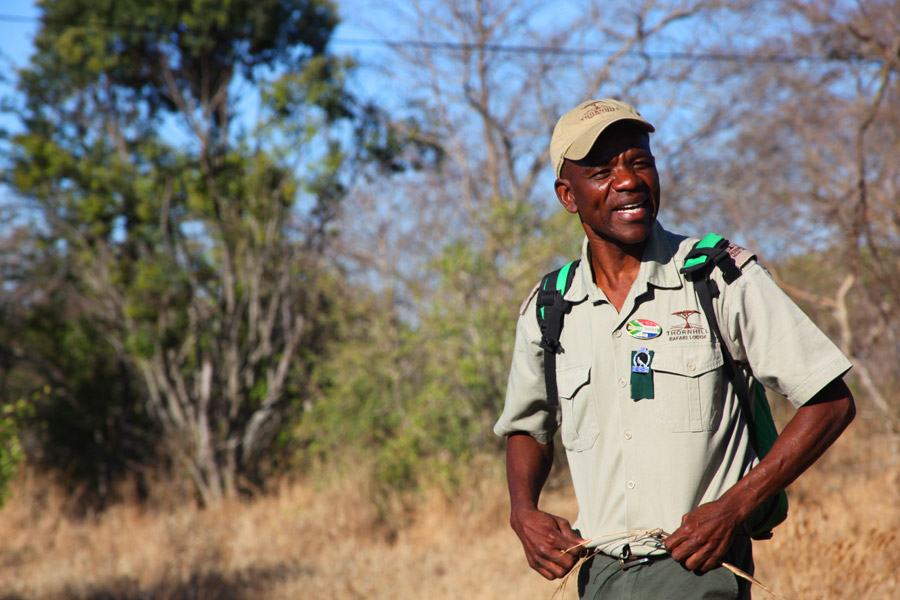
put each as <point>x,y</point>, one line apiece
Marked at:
<point>615,188</point>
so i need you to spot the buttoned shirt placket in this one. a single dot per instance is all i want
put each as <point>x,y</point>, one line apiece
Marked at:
<point>612,364</point>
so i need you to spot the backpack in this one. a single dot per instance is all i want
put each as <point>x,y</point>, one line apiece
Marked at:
<point>709,253</point>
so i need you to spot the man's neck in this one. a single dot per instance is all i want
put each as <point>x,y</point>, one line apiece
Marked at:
<point>615,267</point>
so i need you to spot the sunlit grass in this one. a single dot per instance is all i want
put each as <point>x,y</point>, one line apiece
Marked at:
<point>306,541</point>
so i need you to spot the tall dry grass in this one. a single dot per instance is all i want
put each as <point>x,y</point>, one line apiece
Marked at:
<point>330,541</point>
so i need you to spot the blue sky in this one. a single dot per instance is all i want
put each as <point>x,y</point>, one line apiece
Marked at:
<point>18,24</point>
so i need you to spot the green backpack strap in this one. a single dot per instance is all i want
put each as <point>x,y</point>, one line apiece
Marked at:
<point>709,253</point>
<point>773,511</point>
<point>551,308</point>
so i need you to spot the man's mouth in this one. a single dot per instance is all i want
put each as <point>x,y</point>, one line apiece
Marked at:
<point>632,209</point>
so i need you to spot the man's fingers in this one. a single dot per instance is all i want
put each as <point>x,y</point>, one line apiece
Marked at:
<point>573,543</point>
<point>701,562</point>
<point>705,535</point>
<point>563,551</point>
<point>677,545</point>
<point>695,561</point>
<point>550,544</point>
<point>696,554</point>
<point>551,570</point>
<point>567,531</point>
<point>551,567</point>
<point>551,560</point>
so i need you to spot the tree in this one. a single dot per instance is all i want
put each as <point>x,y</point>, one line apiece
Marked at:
<point>462,244</point>
<point>803,169</point>
<point>191,241</point>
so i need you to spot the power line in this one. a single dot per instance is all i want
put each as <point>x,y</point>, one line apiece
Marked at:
<point>534,49</point>
<point>528,49</point>
<point>17,19</point>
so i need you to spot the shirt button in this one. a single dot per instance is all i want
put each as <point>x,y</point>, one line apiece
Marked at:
<point>617,333</point>
<point>691,366</point>
<point>627,435</point>
<point>630,485</point>
<point>622,383</point>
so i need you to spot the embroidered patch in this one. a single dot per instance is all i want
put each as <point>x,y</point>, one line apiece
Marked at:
<point>740,255</point>
<point>643,329</point>
<point>690,330</point>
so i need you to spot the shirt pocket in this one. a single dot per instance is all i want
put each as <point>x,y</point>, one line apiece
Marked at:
<point>687,382</point>
<point>580,425</point>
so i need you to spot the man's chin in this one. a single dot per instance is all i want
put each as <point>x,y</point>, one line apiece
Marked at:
<point>635,235</point>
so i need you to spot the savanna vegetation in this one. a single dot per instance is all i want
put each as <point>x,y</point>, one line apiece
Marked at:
<point>259,294</point>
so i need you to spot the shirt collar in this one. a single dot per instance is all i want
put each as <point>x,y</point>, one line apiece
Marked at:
<point>658,269</point>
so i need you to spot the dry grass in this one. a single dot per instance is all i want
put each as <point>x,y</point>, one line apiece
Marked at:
<point>303,542</point>
<point>842,536</point>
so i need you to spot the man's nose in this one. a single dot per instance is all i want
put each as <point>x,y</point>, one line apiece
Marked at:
<point>624,178</point>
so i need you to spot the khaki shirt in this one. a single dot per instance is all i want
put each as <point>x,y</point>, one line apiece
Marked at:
<point>643,464</point>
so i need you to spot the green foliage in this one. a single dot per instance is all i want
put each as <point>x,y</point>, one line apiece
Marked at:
<point>87,420</point>
<point>415,383</point>
<point>11,454</point>
<point>139,46</point>
<point>193,262</point>
<point>319,84</point>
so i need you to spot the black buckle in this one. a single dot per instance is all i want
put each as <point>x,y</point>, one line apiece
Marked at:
<point>549,345</point>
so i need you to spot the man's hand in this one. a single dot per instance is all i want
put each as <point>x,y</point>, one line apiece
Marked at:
<point>546,538</point>
<point>551,546</point>
<point>704,537</point>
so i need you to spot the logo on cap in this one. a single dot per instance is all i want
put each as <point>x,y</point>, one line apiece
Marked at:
<point>595,108</point>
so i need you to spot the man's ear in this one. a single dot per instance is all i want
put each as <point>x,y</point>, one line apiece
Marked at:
<point>564,195</point>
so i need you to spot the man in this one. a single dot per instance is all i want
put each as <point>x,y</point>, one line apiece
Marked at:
<point>675,456</point>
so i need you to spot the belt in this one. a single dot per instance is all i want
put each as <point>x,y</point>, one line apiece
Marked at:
<point>628,560</point>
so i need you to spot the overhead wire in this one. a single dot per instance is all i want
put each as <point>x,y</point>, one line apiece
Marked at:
<point>499,48</point>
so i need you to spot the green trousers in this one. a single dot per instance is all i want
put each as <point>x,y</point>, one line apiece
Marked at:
<point>602,578</point>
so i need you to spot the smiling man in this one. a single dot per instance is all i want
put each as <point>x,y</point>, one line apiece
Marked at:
<point>642,390</point>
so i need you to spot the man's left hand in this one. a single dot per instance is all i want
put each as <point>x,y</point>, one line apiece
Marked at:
<point>704,537</point>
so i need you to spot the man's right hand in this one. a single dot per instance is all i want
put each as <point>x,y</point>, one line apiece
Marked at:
<point>551,546</point>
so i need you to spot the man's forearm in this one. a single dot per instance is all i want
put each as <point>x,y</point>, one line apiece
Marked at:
<point>807,436</point>
<point>528,464</point>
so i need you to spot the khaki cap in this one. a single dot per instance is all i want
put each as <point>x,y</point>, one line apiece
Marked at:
<point>577,130</point>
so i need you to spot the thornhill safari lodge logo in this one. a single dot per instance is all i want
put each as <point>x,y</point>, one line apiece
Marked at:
<point>592,110</point>
<point>687,332</point>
